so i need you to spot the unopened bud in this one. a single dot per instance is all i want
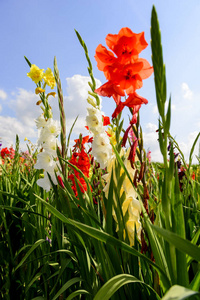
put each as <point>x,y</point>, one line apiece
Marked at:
<point>91,101</point>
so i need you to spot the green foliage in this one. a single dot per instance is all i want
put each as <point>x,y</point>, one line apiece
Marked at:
<point>73,242</point>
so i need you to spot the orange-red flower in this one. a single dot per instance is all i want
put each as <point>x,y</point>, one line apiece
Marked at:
<point>5,152</point>
<point>123,69</point>
<point>110,89</point>
<point>104,57</point>
<point>79,143</point>
<point>126,44</point>
<point>106,120</point>
<point>81,160</point>
<point>134,101</point>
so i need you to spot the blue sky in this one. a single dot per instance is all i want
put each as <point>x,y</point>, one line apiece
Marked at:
<point>43,29</point>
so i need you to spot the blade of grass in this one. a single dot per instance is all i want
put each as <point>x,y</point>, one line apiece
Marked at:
<point>177,292</point>
<point>110,287</point>
<point>66,286</point>
<point>180,243</point>
<point>106,238</point>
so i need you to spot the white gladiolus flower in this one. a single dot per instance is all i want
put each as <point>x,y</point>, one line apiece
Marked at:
<point>47,159</point>
<point>45,182</point>
<point>102,149</point>
<point>50,146</point>
<point>102,157</point>
<point>44,161</point>
<point>101,140</point>
<point>40,121</point>
<point>94,120</point>
<point>52,127</point>
<point>50,131</point>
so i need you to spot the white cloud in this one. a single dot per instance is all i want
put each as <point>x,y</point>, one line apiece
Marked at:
<point>3,95</point>
<point>75,103</point>
<point>187,93</point>
<point>186,146</point>
<point>25,107</point>
<point>155,108</point>
<point>10,127</point>
<point>150,139</point>
<point>23,104</point>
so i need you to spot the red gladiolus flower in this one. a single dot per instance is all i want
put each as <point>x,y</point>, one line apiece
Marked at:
<point>135,99</point>
<point>193,176</point>
<point>12,152</point>
<point>82,161</point>
<point>5,152</point>
<point>61,182</point>
<point>106,120</point>
<point>123,69</point>
<point>118,109</point>
<point>81,142</point>
<point>109,89</point>
<point>133,152</point>
<point>125,137</point>
<point>104,57</point>
<point>126,44</point>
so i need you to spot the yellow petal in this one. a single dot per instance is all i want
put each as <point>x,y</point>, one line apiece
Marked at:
<point>39,90</point>
<point>51,94</point>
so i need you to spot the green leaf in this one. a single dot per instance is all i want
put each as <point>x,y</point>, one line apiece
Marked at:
<point>112,285</point>
<point>194,241</point>
<point>38,243</point>
<point>76,293</point>
<point>70,132</point>
<point>161,142</point>
<point>38,275</point>
<point>192,150</point>
<point>109,205</point>
<point>195,284</point>
<point>66,286</point>
<point>179,229</point>
<point>168,117</point>
<point>157,59</point>
<point>180,243</point>
<point>104,237</point>
<point>171,163</point>
<point>93,86</point>
<point>28,62</point>
<point>178,292</point>
<point>155,245</point>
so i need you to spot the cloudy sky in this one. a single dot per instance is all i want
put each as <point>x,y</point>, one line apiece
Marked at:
<point>43,29</point>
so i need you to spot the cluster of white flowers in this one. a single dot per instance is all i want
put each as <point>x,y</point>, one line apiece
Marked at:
<point>47,158</point>
<point>101,147</point>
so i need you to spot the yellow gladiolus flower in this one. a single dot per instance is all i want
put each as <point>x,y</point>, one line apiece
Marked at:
<point>51,94</point>
<point>39,90</point>
<point>36,74</point>
<point>49,78</point>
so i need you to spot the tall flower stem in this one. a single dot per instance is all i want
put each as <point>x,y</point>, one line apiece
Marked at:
<point>90,71</point>
<point>62,115</point>
<point>170,196</point>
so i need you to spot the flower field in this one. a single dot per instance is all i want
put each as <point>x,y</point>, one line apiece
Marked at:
<point>100,220</point>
